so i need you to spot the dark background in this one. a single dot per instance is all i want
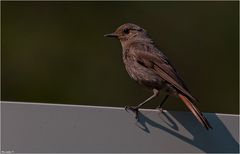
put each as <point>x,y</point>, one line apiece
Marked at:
<point>55,52</point>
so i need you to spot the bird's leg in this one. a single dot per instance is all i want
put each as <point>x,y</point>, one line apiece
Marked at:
<point>163,101</point>
<point>135,108</point>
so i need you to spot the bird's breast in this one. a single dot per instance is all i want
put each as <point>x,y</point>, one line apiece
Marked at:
<point>141,74</point>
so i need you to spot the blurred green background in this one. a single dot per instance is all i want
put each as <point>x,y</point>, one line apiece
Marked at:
<point>55,52</point>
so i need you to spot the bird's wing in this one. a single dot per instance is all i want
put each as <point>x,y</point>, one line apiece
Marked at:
<point>149,56</point>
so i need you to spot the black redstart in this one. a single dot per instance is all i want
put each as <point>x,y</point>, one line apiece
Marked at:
<point>146,64</point>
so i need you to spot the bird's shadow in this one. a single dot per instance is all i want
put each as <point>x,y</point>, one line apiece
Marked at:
<point>219,139</point>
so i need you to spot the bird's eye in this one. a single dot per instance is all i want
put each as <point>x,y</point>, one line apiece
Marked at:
<point>126,30</point>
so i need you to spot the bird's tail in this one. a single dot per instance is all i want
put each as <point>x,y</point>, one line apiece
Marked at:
<point>200,117</point>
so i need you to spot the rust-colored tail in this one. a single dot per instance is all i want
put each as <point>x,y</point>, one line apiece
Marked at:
<point>200,117</point>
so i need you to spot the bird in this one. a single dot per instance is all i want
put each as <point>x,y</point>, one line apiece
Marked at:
<point>150,67</point>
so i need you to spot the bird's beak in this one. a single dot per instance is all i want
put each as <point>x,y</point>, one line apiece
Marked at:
<point>111,35</point>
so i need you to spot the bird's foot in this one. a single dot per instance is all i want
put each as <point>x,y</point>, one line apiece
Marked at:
<point>160,109</point>
<point>134,109</point>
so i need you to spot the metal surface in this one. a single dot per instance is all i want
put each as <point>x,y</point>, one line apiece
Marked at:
<point>41,128</point>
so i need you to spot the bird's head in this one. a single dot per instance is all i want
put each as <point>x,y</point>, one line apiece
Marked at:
<point>128,31</point>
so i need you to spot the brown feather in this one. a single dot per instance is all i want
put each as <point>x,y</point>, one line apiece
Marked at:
<point>160,65</point>
<point>200,117</point>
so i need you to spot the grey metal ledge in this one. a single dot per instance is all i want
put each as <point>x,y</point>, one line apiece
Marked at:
<point>47,128</point>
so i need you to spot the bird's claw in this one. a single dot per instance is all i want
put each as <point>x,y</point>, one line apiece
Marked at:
<point>160,109</point>
<point>134,109</point>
